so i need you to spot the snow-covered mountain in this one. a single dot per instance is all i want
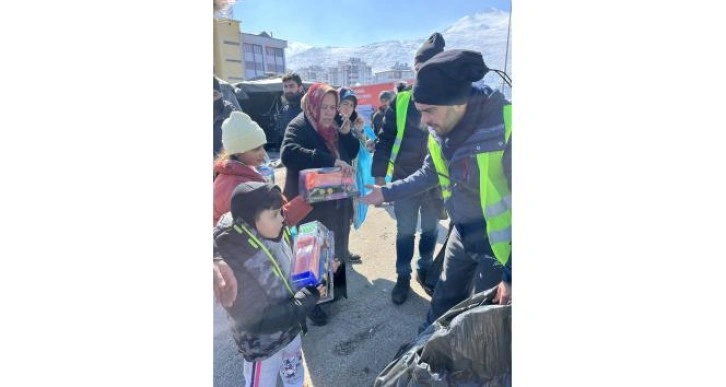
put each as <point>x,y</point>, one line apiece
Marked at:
<point>485,32</point>
<point>294,48</point>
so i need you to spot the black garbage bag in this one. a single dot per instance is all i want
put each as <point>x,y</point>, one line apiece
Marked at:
<point>470,345</point>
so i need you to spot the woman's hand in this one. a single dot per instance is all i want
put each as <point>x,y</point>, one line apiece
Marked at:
<point>345,167</point>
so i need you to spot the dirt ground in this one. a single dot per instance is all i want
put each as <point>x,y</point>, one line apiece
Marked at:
<point>364,331</point>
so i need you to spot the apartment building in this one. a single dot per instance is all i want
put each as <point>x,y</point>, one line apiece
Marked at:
<point>227,50</point>
<point>263,55</point>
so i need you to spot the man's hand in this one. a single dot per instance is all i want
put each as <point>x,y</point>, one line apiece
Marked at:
<point>225,284</point>
<point>375,197</point>
<point>504,293</point>
<point>371,146</point>
<point>381,181</point>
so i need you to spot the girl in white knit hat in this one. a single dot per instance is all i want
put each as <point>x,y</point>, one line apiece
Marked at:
<point>243,152</point>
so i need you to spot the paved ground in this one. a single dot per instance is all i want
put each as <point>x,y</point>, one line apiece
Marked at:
<point>364,332</point>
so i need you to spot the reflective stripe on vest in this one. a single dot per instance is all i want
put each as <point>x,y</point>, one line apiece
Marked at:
<point>402,100</point>
<point>494,195</point>
<point>256,243</point>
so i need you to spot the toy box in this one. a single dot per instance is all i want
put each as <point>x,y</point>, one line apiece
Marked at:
<point>323,184</point>
<point>313,258</point>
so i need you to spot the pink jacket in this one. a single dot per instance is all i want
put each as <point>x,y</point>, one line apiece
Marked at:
<point>231,173</point>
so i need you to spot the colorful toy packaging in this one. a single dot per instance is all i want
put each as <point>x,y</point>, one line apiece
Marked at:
<point>323,184</point>
<point>313,258</point>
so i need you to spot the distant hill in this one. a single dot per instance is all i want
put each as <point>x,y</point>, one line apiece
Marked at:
<point>485,32</point>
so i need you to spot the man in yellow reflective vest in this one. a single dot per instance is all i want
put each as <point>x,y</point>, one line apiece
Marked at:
<point>400,151</point>
<point>470,158</point>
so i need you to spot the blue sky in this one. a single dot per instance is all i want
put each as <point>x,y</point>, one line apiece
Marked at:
<point>348,23</point>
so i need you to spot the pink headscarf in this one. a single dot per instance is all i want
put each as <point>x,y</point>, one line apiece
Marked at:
<point>311,104</point>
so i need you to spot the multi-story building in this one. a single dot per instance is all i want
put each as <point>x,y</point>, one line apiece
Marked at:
<point>335,77</point>
<point>263,55</point>
<point>393,75</point>
<point>350,72</point>
<point>227,50</point>
<point>396,74</point>
<point>356,72</point>
<point>313,74</point>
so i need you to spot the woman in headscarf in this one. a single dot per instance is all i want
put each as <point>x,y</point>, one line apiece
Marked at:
<point>314,140</point>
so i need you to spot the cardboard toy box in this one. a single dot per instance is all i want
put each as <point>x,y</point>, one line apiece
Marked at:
<point>313,258</point>
<point>323,184</point>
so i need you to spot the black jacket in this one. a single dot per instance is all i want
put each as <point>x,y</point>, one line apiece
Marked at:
<point>265,316</point>
<point>304,148</point>
<point>413,147</point>
<point>289,111</point>
<point>481,129</point>
<point>377,120</point>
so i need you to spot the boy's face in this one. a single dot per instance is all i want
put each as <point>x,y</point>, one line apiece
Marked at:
<point>269,223</point>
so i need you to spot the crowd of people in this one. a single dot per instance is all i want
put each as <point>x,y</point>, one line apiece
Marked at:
<point>443,148</point>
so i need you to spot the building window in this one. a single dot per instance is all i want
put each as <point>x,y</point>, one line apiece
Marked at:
<point>233,60</point>
<point>274,51</point>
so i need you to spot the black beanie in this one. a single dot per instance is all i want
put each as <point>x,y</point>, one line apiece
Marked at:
<point>446,78</point>
<point>252,197</point>
<point>346,93</point>
<point>430,47</point>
